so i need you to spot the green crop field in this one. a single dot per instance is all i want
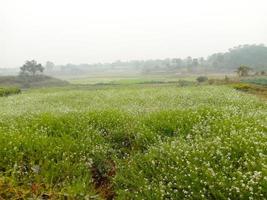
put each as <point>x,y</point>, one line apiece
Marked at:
<point>127,79</point>
<point>124,79</point>
<point>257,80</point>
<point>133,142</point>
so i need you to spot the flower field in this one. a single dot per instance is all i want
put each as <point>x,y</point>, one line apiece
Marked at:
<point>133,142</point>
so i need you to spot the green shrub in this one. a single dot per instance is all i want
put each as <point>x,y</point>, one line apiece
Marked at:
<point>9,91</point>
<point>242,86</point>
<point>202,79</point>
<point>184,83</point>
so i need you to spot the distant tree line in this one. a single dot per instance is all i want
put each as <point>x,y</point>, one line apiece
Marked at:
<point>254,56</point>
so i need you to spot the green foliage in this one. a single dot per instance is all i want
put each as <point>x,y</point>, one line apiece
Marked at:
<point>184,83</point>
<point>254,56</point>
<point>31,68</point>
<point>202,79</point>
<point>243,70</point>
<point>242,86</point>
<point>9,91</point>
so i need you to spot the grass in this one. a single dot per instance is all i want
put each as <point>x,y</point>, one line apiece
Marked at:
<point>133,142</point>
<point>255,89</point>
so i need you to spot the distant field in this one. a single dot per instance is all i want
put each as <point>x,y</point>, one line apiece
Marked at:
<point>134,79</point>
<point>257,80</point>
<point>133,142</point>
<point>126,79</point>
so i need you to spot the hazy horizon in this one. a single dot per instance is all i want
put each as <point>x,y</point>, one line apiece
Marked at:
<point>104,31</point>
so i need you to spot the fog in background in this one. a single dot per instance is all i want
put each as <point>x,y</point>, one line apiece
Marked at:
<point>80,31</point>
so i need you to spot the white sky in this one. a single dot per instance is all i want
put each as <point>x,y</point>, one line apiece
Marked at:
<point>86,31</point>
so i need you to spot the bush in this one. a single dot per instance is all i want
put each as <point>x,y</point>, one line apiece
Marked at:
<point>202,79</point>
<point>242,86</point>
<point>184,83</point>
<point>9,91</point>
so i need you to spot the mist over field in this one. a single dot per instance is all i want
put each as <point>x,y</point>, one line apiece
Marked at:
<point>118,100</point>
<point>98,32</point>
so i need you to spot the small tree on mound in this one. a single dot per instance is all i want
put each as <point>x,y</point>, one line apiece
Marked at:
<point>31,68</point>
